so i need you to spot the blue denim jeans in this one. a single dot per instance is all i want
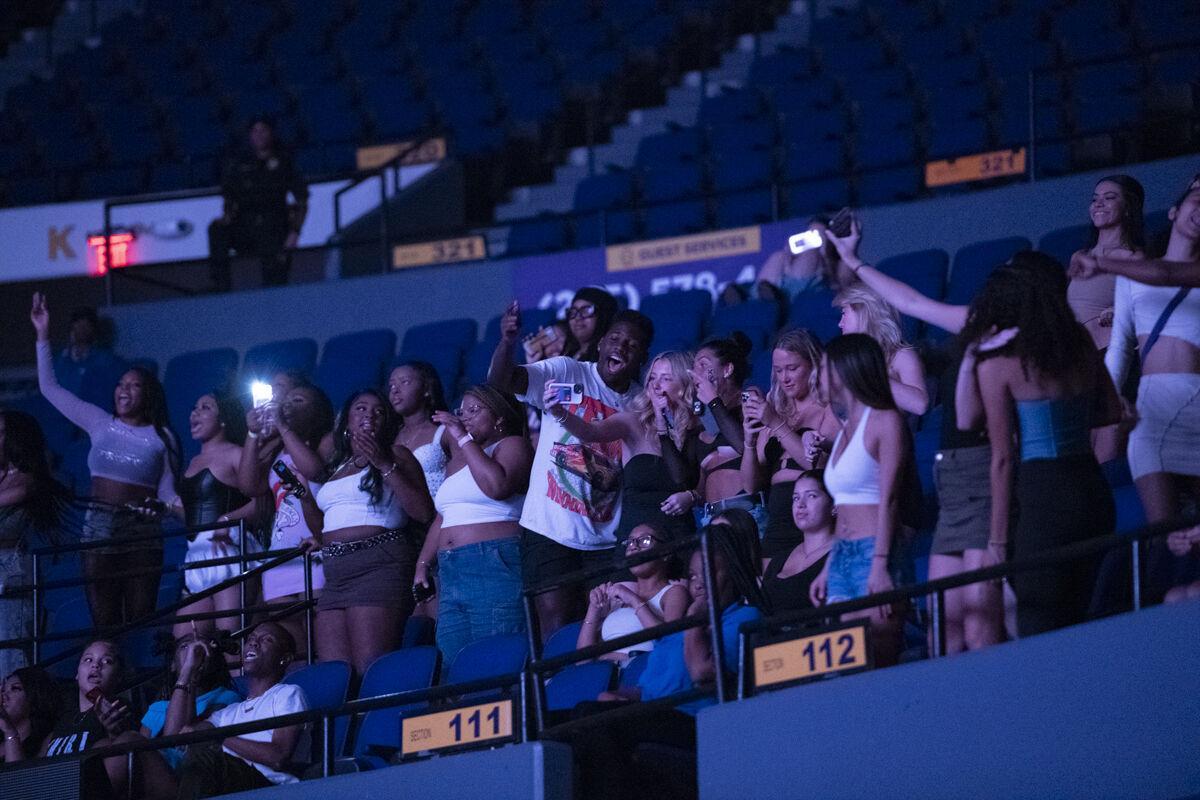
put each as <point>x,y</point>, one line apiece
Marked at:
<point>752,503</point>
<point>479,594</point>
<point>849,566</point>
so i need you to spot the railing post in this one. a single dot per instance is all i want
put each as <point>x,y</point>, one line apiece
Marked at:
<point>535,653</point>
<point>327,745</point>
<point>385,229</point>
<point>527,675</point>
<point>129,775</point>
<point>741,683</point>
<point>308,608</point>
<point>714,613</point>
<point>242,569</point>
<point>1135,561</point>
<point>937,624</point>
<point>37,607</point>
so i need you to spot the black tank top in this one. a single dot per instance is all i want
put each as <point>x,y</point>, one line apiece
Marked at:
<point>205,498</point>
<point>790,593</point>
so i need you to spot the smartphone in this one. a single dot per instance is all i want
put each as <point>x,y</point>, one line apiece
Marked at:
<point>804,241</point>
<point>261,393</point>
<point>568,393</point>
<point>422,591</point>
<point>839,226</point>
<point>535,344</point>
<point>289,479</point>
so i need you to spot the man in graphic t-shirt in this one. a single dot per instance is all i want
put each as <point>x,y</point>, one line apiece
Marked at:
<point>574,499</point>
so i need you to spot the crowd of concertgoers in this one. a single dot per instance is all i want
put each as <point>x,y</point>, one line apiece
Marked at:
<point>581,449</point>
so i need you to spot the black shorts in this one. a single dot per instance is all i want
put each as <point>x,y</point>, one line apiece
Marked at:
<point>543,560</point>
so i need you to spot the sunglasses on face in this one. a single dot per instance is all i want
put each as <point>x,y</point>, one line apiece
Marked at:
<point>582,312</point>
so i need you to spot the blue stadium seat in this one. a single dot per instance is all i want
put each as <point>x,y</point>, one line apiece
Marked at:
<point>1063,242</point>
<point>633,670</point>
<point>540,235</point>
<point>758,319</point>
<point>811,197</point>
<point>884,186</point>
<point>446,360</point>
<point>962,137</point>
<point>354,360</point>
<point>598,229</point>
<point>403,670</point>
<point>744,208</point>
<point>490,657</point>
<point>674,219</point>
<point>730,105</point>
<point>1130,514</point>
<point>190,375</point>
<point>732,140</point>
<point>670,183</point>
<point>456,333</point>
<point>973,264</point>
<point>562,640</point>
<point>813,309</point>
<point>264,360</point>
<point>71,615</point>
<point>58,430</point>
<point>674,147</point>
<point>678,317</point>
<point>579,683</point>
<point>325,684</point>
<point>747,170</point>
<point>598,192</point>
<point>925,271</point>
<point>478,361</point>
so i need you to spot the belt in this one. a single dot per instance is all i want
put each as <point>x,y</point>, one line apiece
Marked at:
<point>742,501</point>
<point>337,549</point>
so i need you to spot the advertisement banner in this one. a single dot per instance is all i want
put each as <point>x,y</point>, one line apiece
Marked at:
<point>632,271</point>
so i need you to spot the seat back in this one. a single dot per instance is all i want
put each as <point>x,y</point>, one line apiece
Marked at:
<point>489,657</point>
<point>562,640</point>
<point>579,683</point>
<point>403,670</point>
<point>354,360</point>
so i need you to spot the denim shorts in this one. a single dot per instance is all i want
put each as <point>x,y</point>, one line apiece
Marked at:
<point>753,503</point>
<point>479,594</point>
<point>849,566</point>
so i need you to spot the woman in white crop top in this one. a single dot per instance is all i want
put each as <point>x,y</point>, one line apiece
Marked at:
<point>134,459</point>
<point>299,419</point>
<point>370,511</point>
<point>656,595</point>
<point>415,392</point>
<point>864,476</point>
<point>474,541</point>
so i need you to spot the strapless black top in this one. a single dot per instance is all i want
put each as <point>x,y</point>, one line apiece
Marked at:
<point>205,498</point>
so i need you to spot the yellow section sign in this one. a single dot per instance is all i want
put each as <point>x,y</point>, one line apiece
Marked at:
<point>680,249</point>
<point>456,728</point>
<point>838,650</point>
<point>978,167</point>
<point>443,251</point>
<point>377,155</point>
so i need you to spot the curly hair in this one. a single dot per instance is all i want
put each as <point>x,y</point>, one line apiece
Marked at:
<point>802,343</point>
<point>881,321</point>
<point>1029,292</point>
<point>680,364</point>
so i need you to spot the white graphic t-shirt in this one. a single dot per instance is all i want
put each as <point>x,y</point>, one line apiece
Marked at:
<point>574,492</point>
<point>288,529</point>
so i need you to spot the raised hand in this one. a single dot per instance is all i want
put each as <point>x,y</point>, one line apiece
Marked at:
<point>365,445</point>
<point>453,424</point>
<point>706,385</point>
<point>510,323</point>
<point>39,315</point>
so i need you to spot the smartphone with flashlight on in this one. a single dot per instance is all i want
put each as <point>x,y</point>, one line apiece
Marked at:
<point>261,395</point>
<point>804,241</point>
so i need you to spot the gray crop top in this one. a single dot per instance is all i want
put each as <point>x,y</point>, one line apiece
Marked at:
<point>120,452</point>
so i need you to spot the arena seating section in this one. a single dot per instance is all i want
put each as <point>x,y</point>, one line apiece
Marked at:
<point>848,119</point>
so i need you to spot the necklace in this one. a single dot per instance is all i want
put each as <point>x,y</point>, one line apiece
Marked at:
<point>819,551</point>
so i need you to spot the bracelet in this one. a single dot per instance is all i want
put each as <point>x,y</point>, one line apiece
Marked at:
<point>589,622</point>
<point>183,686</point>
<point>776,427</point>
<point>466,437</point>
<point>714,403</point>
<point>391,469</point>
<point>251,435</point>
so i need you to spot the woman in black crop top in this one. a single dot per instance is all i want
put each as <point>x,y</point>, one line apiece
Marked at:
<point>208,490</point>
<point>788,577</point>
<point>792,431</point>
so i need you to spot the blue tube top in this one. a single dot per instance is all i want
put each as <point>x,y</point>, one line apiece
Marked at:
<point>1055,428</point>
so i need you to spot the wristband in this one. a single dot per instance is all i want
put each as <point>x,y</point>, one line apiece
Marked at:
<point>391,469</point>
<point>183,686</point>
<point>466,437</point>
<point>251,435</point>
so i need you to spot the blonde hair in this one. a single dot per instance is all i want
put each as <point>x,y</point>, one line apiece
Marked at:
<point>881,321</point>
<point>680,364</point>
<point>802,343</point>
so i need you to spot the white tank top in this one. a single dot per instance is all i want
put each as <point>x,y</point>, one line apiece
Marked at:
<point>854,479</point>
<point>432,458</point>
<point>460,501</point>
<point>624,621</point>
<point>347,506</point>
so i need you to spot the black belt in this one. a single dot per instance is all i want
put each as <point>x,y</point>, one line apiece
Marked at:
<point>336,549</point>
